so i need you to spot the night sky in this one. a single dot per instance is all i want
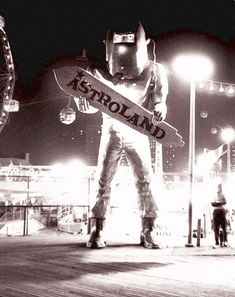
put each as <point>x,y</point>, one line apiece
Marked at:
<point>42,32</point>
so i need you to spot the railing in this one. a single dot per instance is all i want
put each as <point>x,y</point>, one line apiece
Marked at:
<point>22,212</point>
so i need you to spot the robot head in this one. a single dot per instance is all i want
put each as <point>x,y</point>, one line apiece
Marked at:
<point>127,53</point>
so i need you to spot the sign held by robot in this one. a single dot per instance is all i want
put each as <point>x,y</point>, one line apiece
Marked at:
<point>77,82</point>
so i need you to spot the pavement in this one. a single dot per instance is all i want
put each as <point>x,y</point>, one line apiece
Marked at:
<point>50,263</point>
<point>205,247</point>
<point>177,248</point>
<point>205,250</point>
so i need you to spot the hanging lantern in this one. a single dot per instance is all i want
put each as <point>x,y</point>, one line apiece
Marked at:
<point>214,130</point>
<point>230,90</point>
<point>221,88</point>
<point>3,118</point>
<point>201,85</point>
<point>211,87</point>
<point>11,105</point>
<point>203,114</point>
<point>67,115</point>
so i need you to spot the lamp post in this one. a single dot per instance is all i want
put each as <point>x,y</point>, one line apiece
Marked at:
<point>228,135</point>
<point>192,67</point>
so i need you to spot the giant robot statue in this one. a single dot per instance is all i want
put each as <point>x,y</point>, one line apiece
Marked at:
<point>133,74</point>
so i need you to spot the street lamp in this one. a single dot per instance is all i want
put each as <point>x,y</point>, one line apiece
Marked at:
<point>228,135</point>
<point>193,68</point>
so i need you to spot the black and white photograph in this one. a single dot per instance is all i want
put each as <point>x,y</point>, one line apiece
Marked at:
<point>117,148</point>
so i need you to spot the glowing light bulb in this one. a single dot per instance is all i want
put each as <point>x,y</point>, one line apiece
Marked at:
<point>193,66</point>
<point>230,90</point>
<point>67,115</point>
<point>201,85</point>
<point>228,134</point>
<point>203,114</point>
<point>214,130</point>
<point>221,88</point>
<point>211,87</point>
<point>122,49</point>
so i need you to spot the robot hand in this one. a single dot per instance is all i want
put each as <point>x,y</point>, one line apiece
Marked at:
<point>159,113</point>
<point>83,105</point>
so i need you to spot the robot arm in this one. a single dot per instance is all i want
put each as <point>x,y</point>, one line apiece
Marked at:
<point>159,113</point>
<point>159,95</point>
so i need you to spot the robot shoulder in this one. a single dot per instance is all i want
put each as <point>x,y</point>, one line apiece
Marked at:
<point>157,68</point>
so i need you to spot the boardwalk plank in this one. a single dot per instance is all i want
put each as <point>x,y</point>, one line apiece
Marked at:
<point>63,267</point>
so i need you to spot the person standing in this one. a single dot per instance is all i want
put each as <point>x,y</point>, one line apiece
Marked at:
<point>220,218</point>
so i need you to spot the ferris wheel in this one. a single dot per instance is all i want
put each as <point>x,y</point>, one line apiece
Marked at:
<point>7,78</point>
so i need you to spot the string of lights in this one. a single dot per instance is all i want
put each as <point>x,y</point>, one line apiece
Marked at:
<point>212,86</point>
<point>218,86</point>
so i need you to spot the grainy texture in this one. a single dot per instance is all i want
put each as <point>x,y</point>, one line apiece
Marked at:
<point>61,265</point>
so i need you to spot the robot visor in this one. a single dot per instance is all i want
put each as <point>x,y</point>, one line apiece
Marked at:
<point>123,38</point>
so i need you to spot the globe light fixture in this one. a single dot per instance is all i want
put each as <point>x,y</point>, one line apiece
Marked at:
<point>230,90</point>
<point>214,130</point>
<point>211,87</point>
<point>201,85</point>
<point>221,88</point>
<point>203,114</point>
<point>67,115</point>
<point>193,67</point>
<point>227,134</point>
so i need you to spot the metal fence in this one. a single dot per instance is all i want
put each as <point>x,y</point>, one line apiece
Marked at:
<point>27,219</point>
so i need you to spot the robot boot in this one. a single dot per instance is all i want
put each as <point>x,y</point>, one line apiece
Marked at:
<point>148,237</point>
<point>96,240</point>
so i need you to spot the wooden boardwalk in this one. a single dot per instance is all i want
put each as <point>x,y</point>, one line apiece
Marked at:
<point>60,265</point>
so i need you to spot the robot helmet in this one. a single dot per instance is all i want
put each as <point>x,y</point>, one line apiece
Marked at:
<point>127,53</point>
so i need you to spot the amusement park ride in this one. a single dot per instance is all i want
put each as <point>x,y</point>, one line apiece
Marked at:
<point>7,79</point>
